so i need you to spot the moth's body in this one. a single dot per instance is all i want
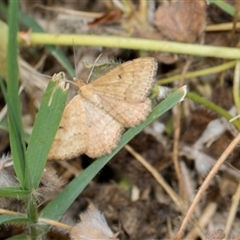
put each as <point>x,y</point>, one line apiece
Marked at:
<point>95,118</point>
<point>86,92</point>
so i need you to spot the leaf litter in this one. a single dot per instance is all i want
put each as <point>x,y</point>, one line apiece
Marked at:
<point>134,204</point>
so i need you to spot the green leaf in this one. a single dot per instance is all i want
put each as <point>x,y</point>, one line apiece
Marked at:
<point>15,121</point>
<point>3,48</point>
<point>13,219</point>
<point>14,192</point>
<point>44,130</point>
<point>210,105</point>
<point>19,237</point>
<point>16,144</point>
<point>224,6</point>
<point>4,126</point>
<point>56,208</point>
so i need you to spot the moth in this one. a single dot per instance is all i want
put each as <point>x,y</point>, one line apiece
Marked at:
<point>94,120</point>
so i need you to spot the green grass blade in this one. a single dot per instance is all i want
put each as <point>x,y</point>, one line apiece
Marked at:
<point>16,146</point>
<point>224,6</point>
<point>15,121</point>
<point>31,23</point>
<point>14,192</point>
<point>19,237</point>
<point>56,208</point>
<point>13,219</point>
<point>62,59</point>
<point>214,107</point>
<point>4,126</point>
<point>44,130</point>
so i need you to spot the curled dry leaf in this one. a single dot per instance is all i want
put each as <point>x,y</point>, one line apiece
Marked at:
<point>95,118</point>
<point>182,21</point>
<point>112,15</point>
<point>93,225</point>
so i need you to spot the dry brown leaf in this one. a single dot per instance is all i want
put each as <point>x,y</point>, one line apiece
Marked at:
<point>110,16</point>
<point>95,118</point>
<point>182,21</point>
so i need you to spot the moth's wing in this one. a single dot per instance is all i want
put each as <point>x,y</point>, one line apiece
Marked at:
<point>71,138</point>
<point>130,81</point>
<point>103,131</point>
<point>127,113</point>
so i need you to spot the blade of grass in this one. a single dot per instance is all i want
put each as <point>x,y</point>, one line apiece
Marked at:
<point>14,192</point>
<point>13,219</point>
<point>15,121</point>
<point>236,86</point>
<point>135,44</point>
<point>225,7</point>
<point>222,112</point>
<point>55,209</point>
<point>199,73</point>
<point>55,51</point>
<point>44,130</point>
<point>4,126</point>
<point>19,237</point>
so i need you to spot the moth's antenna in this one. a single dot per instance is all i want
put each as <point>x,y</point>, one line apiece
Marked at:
<point>71,82</point>
<point>43,75</point>
<point>89,76</point>
<point>75,59</point>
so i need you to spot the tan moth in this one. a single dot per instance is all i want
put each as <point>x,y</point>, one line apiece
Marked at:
<point>93,121</point>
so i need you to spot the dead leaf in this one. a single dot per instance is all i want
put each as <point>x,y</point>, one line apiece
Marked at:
<point>182,21</point>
